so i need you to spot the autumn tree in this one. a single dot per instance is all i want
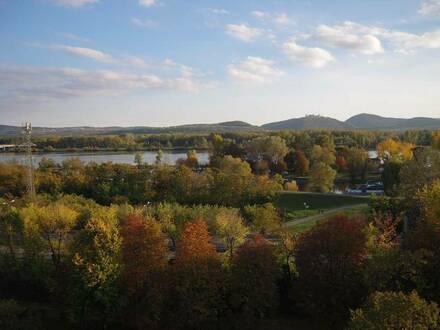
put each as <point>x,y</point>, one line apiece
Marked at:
<point>286,250</point>
<point>195,243</point>
<point>357,163</point>
<point>263,218</point>
<point>49,225</point>
<point>395,150</point>
<point>429,199</point>
<point>191,159</point>
<point>436,140</point>
<point>302,164</point>
<point>391,177</point>
<point>395,310</point>
<point>253,289</point>
<point>144,253</point>
<point>196,281</point>
<point>324,155</point>
<point>420,171</point>
<point>96,269</point>
<point>322,177</point>
<point>231,230</point>
<point>138,159</point>
<point>232,180</point>
<point>73,176</point>
<point>12,179</point>
<point>424,240</point>
<point>341,163</point>
<point>10,226</point>
<point>329,261</point>
<point>270,148</point>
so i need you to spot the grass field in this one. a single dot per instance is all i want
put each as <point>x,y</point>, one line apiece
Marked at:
<point>300,226</point>
<point>294,201</point>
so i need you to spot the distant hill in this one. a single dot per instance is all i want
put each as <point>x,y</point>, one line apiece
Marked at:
<point>230,126</point>
<point>362,121</point>
<point>367,121</point>
<point>308,122</point>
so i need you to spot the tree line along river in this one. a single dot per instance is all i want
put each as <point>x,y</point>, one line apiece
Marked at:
<point>149,157</point>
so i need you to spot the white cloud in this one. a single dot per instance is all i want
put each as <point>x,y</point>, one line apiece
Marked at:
<point>279,19</point>
<point>146,23</point>
<point>74,37</point>
<point>243,32</point>
<point>169,62</point>
<point>132,60</point>
<point>73,3</point>
<point>218,11</point>
<point>259,14</point>
<point>283,19</point>
<point>37,83</point>
<point>100,56</point>
<point>310,56</point>
<point>254,69</point>
<point>147,3</point>
<point>430,8</point>
<point>86,52</point>
<point>340,36</point>
<point>352,35</point>
<point>408,41</point>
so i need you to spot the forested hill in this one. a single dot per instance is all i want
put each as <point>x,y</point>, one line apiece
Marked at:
<point>367,121</point>
<point>308,122</point>
<point>361,121</point>
<point>224,127</point>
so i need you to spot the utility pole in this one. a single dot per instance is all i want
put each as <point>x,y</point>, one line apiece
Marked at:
<point>27,132</point>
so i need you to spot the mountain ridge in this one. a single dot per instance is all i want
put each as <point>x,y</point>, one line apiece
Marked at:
<point>310,122</point>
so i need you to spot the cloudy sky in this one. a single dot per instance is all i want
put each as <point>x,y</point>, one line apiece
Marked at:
<point>170,62</point>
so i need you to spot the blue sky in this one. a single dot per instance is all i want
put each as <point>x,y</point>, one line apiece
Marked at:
<point>170,62</point>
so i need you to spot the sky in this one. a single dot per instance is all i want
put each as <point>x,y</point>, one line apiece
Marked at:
<point>172,62</point>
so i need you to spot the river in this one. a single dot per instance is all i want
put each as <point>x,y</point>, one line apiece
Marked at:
<point>149,157</point>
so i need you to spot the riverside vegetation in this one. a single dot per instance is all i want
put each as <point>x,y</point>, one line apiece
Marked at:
<point>206,247</point>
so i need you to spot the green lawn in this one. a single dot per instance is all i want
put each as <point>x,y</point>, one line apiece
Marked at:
<point>300,227</point>
<point>294,201</point>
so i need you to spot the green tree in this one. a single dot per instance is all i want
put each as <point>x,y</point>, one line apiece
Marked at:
<point>322,177</point>
<point>96,269</point>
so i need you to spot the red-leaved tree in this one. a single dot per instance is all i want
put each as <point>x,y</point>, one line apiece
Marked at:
<point>195,296</point>
<point>144,253</point>
<point>329,261</point>
<point>253,289</point>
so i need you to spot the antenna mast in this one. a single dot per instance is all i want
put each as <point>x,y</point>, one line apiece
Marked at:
<point>27,132</point>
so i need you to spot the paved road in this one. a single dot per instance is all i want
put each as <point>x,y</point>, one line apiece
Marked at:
<point>320,216</point>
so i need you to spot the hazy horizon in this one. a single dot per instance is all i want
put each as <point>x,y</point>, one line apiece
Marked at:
<point>159,63</point>
<point>181,124</point>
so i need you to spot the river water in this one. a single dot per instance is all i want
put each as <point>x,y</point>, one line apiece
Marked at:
<point>149,157</point>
